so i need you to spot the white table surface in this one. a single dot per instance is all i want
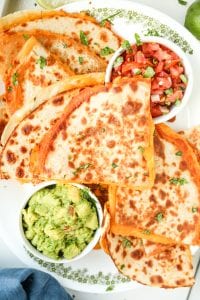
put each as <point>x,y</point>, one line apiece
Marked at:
<point>7,257</point>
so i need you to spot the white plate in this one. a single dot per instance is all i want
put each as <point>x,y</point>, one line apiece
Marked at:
<point>96,272</point>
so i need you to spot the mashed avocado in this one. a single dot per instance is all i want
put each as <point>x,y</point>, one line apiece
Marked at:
<point>60,220</point>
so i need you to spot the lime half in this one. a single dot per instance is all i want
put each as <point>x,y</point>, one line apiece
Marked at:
<point>192,19</point>
<point>50,4</point>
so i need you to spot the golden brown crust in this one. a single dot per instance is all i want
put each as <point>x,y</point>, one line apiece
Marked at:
<point>45,145</point>
<point>68,84</point>
<point>194,169</point>
<point>20,17</point>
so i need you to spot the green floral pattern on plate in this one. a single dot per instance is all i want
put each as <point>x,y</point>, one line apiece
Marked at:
<point>152,27</point>
<point>81,275</point>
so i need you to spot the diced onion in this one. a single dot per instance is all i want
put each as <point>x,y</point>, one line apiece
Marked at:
<point>155,98</point>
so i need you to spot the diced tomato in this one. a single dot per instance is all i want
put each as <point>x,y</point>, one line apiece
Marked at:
<point>177,95</point>
<point>156,92</point>
<point>170,63</point>
<point>161,55</point>
<point>163,74</point>
<point>140,58</point>
<point>128,67</point>
<point>176,71</point>
<point>161,83</point>
<point>159,67</point>
<point>149,48</point>
<point>155,110</point>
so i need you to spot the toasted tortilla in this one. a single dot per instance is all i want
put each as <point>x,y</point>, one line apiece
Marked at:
<point>77,56</point>
<point>3,117</point>
<point>36,69</point>
<point>15,158</point>
<point>96,132</point>
<point>193,137</point>
<point>67,84</point>
<point>62,22</point>
<point>170,268</point>
<point>170,211</point>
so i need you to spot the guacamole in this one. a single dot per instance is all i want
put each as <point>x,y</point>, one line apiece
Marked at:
<point>60,220</point>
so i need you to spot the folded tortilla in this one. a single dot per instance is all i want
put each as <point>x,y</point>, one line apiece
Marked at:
<point>74,25</point>
<point>35,69</point>
<point>95,141</point>
<point>170,211</point>
<point>77,56</point>
<point>27,134</point>
<point>170,268</point>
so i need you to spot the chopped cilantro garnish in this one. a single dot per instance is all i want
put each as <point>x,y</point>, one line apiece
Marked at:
<point>138,39</point>
<point>9,88</point>
<point>15,78</point>
<point>82,167</point>
<point>146,231</point>
<point>119,60</point>
<point>159,217</point>
<point>114,165</point>
<point>179,153</point>
<point>141,149</point>
<point>64,45</point>
<point>178,181</point>
<point>84,38</point>
<point>126,45</point>
<point>106,51</point>
<point>108,19</point>
<point>182,2</point>
<point>80,59</point>
<point>42,62</point>
<point>194,209</point>
<point>69,157</point>
<point>126,243</point>
<point>110,288</point>
<point>26,36</point>
<point>169,91</point>
<point>183,78</point>
<point>177,102</point>
<point>149,72</point>
<point>122,267</point>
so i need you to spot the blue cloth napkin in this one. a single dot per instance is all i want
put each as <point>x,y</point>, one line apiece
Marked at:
<point>30,284</point>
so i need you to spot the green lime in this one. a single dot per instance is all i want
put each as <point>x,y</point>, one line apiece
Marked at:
<point>50,4</point>
<point>192,19</point>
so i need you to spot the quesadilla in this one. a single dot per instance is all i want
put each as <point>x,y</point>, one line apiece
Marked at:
<point>170,268</point>
<point>80,27</point>
<point>77,56</point>
<point>68,84</point>
<point>170,211</point>
<point>95,141</point>
<point>15,157</point>
<point>37,68</point>
<point>193,137</point>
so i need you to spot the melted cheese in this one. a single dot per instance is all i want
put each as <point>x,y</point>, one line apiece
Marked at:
<point>98,142</point>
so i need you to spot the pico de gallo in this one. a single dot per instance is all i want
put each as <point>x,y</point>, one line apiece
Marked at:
<point>162,65</point>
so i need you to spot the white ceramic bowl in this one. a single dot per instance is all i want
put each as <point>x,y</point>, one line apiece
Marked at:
<point>39,254</point>
<point>174,110</point>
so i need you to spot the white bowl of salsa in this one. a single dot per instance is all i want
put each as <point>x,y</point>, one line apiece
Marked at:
<point>167,66</point>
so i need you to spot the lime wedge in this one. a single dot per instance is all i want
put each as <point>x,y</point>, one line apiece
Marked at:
<point>51,4</point>
<point>192,19</point>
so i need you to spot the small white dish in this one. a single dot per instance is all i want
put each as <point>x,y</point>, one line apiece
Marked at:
<point>174,110</point>
<point>39,254</point>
